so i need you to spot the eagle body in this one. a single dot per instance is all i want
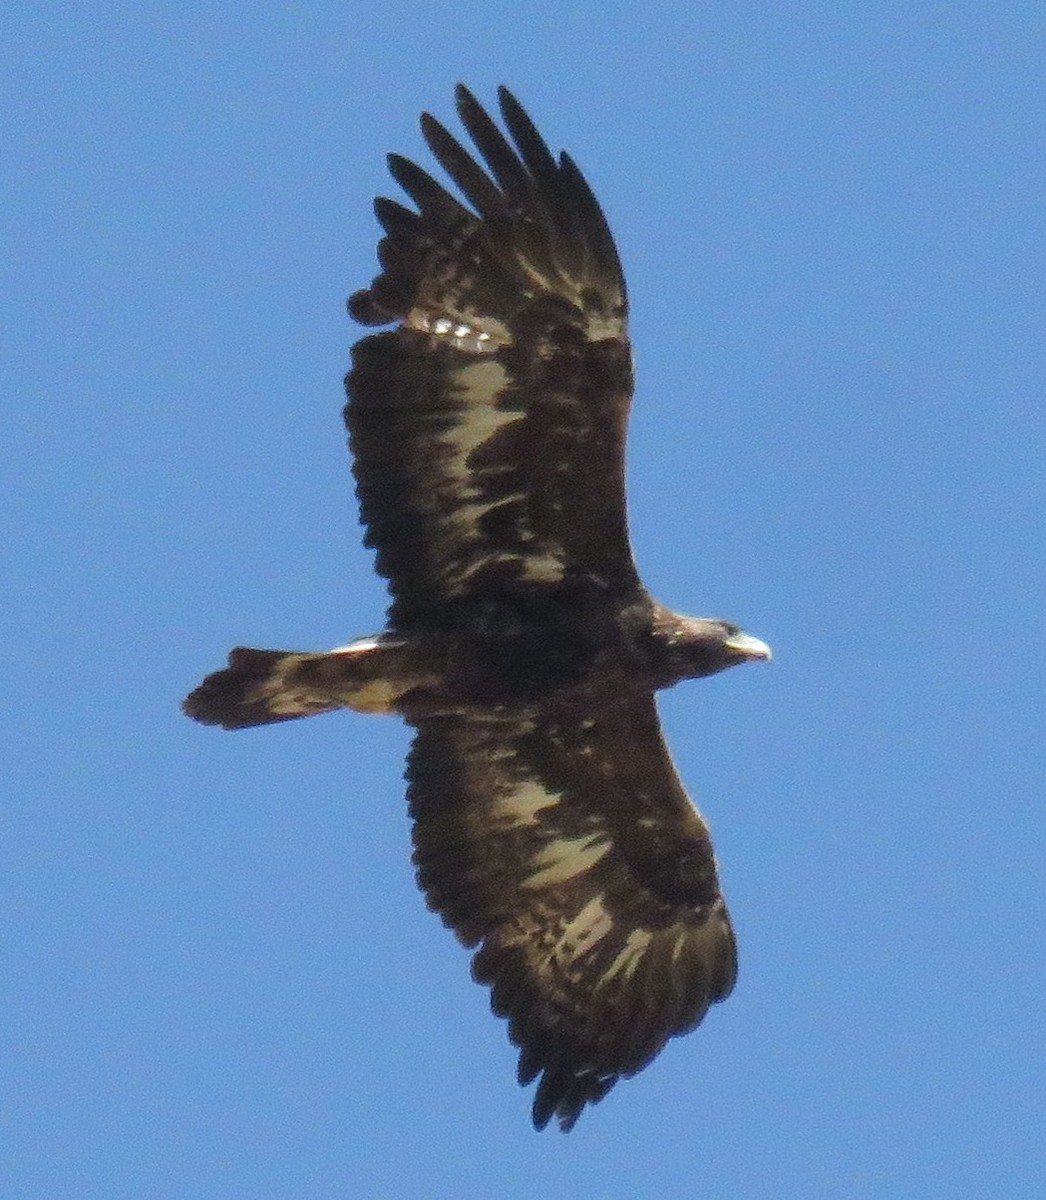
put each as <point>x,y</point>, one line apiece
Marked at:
<point>487,431</point>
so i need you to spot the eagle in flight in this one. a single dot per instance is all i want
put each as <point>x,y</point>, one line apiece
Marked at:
<point>487,429</point>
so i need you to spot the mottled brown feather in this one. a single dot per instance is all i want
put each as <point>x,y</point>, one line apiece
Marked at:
<point>495,456</point>
<point>563,846</point>
<point>487,427</point>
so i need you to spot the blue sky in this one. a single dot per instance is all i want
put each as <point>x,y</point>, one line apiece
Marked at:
<point>218,977</point>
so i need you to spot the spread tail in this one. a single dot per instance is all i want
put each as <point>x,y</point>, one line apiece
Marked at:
<point>259,687</point>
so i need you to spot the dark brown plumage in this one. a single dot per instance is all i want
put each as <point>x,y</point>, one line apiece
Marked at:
<point>487,429</point>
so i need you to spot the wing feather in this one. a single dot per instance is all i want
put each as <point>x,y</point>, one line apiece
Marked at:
<point>488,427</point>
<point>475,184</point>
<point>564,848</point>
<point>434,202</point>
<point>509,167</point>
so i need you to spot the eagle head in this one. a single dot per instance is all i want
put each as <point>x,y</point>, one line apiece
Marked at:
<point>698,646</point>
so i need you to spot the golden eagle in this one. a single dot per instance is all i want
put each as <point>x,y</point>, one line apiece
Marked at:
<point>487,431</point>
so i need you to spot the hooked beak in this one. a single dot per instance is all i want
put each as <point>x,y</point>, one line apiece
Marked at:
<point>748,646</point>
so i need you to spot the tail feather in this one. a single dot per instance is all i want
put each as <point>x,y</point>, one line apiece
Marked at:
<point>252,690</point>
<point>259,687</point>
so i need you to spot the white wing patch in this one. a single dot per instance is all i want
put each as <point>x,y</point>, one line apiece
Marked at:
<point>561,859</point>
<point>629,957</point>
<point>521,805</point>
<point>474,335</point>
<point>475,385</point>
<point>584,931</point>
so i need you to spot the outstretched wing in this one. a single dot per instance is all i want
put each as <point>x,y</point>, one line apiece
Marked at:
<point>488,428</point>
<point>563,845</point>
